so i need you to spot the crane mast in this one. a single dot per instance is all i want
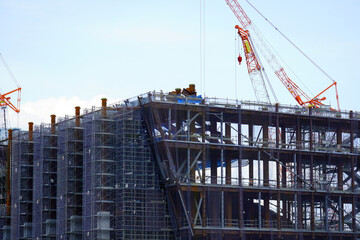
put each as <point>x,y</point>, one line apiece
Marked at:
<point>297,93</point>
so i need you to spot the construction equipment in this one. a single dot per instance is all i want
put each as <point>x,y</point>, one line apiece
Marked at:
<point>5,98</point>
<point>253,66</point>
<point>298,94</point>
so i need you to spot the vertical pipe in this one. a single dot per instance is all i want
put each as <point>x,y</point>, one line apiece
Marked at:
<point>77,116</point>
<point>31,131</point>
<point>53,117</point>
<point>103,107</point>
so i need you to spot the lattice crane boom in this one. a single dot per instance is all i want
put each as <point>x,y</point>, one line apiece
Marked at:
<point>254,67</point>
<point>5,100</point>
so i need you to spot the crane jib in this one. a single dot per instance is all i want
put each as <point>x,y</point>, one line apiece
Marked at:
<point>299,95</point>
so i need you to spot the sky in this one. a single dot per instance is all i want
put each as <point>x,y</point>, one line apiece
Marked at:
<point>73,53</point>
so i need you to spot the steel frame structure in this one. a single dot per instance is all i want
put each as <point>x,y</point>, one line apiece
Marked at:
<point>174,167</point>
<point>301,182</point>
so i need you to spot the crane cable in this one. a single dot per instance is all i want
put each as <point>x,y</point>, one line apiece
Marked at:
<point>237,49</point>
<point>294,45</point>
<point>9,71</point>
<point>202,46</point>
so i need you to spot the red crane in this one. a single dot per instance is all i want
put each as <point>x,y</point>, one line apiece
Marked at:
<point>253,66</point>
<point>5,98</point>
<point>298,94</point>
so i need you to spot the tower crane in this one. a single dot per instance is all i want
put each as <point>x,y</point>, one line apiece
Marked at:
<point>297,93</point>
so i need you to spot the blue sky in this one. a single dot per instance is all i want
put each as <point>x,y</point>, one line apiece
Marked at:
<point>70,53</point>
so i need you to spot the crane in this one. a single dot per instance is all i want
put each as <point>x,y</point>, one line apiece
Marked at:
<point>5,98</point>
<point>297,93</point>
<point>253,66</point>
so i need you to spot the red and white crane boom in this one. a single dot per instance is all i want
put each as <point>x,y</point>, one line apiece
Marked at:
<point>298,94</point>
<point>254,67</point>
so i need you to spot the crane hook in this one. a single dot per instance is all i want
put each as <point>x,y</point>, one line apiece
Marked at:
<point>239,59</point>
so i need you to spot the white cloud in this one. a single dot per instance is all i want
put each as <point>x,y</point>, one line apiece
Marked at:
<point>39,111</point>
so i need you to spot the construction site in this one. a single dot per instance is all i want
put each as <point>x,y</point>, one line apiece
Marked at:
<point>167,166</point>
<point>177,165</point>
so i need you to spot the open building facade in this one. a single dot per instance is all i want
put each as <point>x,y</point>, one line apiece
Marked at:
<point>168,166</point>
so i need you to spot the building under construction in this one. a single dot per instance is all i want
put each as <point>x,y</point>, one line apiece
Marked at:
<point>178,166</point>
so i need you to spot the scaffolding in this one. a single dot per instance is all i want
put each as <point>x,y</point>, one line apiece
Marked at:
<point>22,185</point>
<point>166,166</point>
<point>3,192</point>
<point>123,195</point>
<point>45,182</point>
<point>69,179</point>
<point>140,197</point>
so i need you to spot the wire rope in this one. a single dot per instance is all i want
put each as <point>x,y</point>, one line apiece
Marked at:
<point>292,43</point>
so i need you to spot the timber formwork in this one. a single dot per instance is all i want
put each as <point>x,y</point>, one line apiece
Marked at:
<point>242,170</point>
<point>45,182</point>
